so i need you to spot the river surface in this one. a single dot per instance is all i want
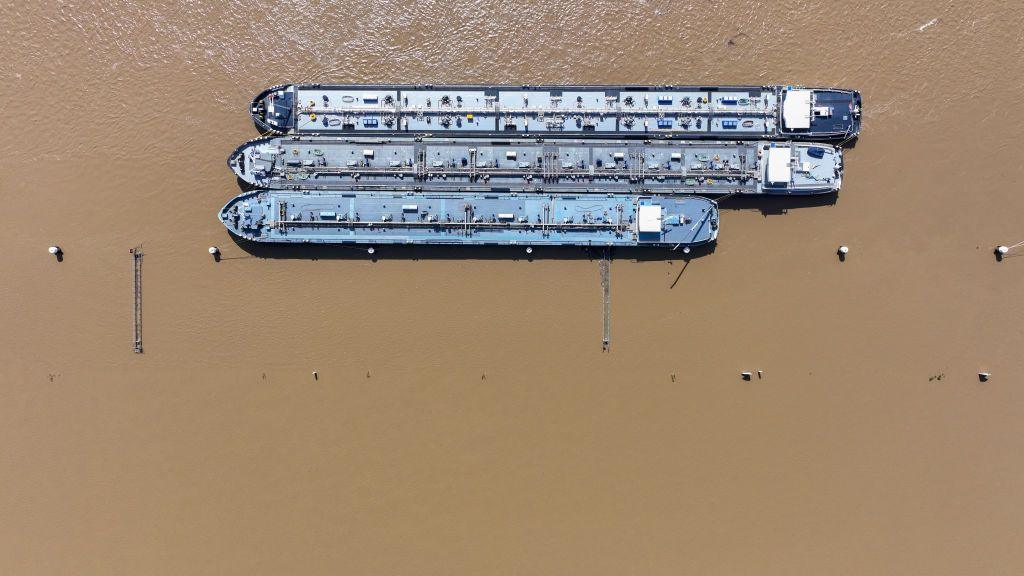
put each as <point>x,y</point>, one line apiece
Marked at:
<point>464,418</point>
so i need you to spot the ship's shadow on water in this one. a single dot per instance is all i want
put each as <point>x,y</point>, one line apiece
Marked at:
<point>774,205</point>
<point>455,252</point>
<point>243,186</point>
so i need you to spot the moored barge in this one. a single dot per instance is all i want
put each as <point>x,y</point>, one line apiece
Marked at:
<point>688,112</point>
<point>600,166</point>
<point>354,217</point>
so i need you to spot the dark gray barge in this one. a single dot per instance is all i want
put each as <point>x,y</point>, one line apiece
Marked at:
<point>594,166</point>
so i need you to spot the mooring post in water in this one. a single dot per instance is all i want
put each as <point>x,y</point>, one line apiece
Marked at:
<point>1002,250</point>
<point>606,288</point>
<point>137,270</point>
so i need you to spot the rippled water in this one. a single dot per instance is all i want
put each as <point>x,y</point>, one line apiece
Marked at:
<point>465,419</point>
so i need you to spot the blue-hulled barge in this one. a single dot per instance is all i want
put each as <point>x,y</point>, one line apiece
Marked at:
<point>375,218</point>
<point>688,112</point>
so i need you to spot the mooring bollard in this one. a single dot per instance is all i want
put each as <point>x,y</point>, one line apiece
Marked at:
<point>1002,250</point>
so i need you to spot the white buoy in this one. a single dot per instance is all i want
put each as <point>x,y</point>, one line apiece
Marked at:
<point>983,376</point>
<point>54,250</point>
<point>1002,249</point>
<point>686,250</point>
<point>214,250</point>
<point>371,250</point>
<point>844,249</point>
<point>529,249</point>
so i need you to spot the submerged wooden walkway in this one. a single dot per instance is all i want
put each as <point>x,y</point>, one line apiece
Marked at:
<point>137,304</point>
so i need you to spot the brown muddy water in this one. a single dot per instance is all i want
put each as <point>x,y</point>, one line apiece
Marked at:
<point>465,419</point>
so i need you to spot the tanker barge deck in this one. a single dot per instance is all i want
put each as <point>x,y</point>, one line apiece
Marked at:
<point>599,166</point>
<point>351,217</point>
